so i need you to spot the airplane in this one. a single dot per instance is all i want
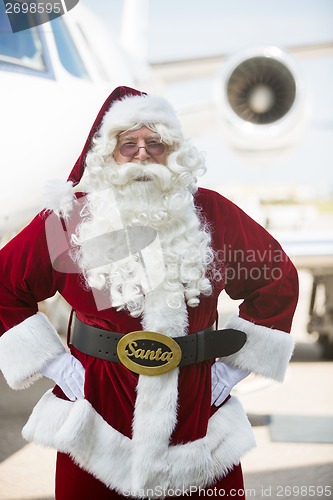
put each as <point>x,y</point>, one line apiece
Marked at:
<point>254,117</point>
<point>52,74</point>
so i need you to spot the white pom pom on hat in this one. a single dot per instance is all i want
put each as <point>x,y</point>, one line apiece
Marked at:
<point>59,196</point>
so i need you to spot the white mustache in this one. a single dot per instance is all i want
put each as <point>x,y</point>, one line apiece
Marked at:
<point>129,172</point>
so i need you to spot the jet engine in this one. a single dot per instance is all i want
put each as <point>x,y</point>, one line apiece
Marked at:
<point>261,100</point>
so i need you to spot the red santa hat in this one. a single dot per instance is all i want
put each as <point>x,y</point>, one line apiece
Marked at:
<point>118,94</point>
<point>124,108</point>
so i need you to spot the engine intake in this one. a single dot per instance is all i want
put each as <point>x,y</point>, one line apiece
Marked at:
<point>261,90</point>
<point>261,99</point>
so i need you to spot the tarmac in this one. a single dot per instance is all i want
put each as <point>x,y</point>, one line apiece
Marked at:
<point>292,423</point>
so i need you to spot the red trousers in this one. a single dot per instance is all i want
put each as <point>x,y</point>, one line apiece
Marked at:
<point>73,483</point>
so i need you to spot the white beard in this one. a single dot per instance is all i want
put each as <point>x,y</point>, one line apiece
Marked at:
<point>169,271</point>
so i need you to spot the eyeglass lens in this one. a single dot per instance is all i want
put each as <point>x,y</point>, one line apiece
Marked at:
<point>152,148</point>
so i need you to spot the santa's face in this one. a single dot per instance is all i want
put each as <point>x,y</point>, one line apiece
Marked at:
<point>140,146</point>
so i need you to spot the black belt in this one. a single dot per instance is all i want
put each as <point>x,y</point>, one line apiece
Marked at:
<point>147,352</point>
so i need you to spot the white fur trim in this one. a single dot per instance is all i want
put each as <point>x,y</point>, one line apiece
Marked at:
<point>77,429</point>
<point>155,413</point>
<point>146,109</point>
<point>266,352</point>
<point>154,420</point>
<point>25,349</point>
<point>59,196</point>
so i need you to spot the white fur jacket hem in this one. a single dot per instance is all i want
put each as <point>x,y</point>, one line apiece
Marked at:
<point>78,430</point>
<point>266,352</point>
<point>26,348</point>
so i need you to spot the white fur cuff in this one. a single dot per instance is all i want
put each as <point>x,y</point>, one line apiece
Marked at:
<point>25,349</point>
<point>266,352</point>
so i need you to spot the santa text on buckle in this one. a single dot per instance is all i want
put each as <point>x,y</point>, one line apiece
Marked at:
<point>148,353</point>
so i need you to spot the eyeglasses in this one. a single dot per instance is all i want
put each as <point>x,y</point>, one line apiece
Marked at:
<point>129,149</point>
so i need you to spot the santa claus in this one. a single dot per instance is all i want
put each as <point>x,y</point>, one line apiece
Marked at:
<point>140,248</point>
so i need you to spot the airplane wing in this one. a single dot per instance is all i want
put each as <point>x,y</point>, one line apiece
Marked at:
<point>176,70</point>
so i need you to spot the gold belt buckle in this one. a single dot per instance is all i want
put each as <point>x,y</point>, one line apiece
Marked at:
<point>136,352</point>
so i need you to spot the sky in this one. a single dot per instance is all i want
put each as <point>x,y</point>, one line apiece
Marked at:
<point>184,28</point>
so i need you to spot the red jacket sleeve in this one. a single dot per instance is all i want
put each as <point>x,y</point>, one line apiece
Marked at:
<point>254,268</point>
<point>258,270</point>
<point>26,274</point>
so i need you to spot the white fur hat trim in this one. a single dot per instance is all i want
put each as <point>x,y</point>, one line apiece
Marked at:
<point>145,109</point>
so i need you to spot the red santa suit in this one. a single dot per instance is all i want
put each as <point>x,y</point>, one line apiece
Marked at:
<point>133,432</point>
